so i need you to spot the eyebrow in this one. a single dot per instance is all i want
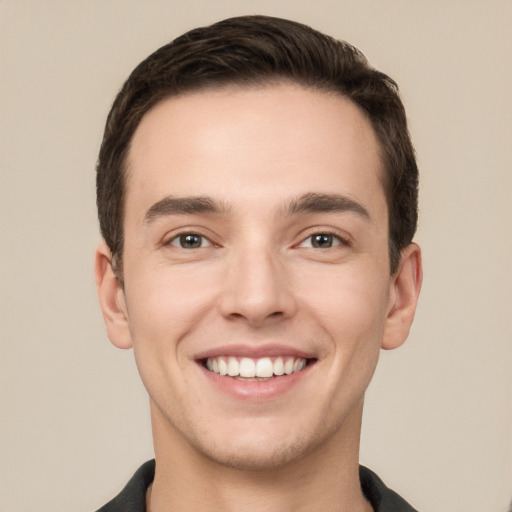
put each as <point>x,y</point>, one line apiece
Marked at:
<point>308,203</point>
<point>184,206</point>
<point>316,203</point>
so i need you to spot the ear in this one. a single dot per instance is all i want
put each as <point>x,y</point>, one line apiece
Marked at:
<point>112,300</point>
<point>404,293</point>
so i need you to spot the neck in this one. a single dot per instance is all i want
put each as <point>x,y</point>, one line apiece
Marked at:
<point>326,478</point>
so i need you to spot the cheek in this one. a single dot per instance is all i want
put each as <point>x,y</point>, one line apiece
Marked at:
<point>351,306</point>
<point>350,312</point>
<point>164,306</point>
<point>169,298</point>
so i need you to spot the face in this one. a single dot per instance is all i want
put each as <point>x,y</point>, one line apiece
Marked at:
<point>257,287</point>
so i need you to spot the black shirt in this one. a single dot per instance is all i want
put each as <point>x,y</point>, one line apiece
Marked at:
<point>133,497</point>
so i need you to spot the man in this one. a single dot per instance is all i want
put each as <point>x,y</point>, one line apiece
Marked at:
<point>257,194</point>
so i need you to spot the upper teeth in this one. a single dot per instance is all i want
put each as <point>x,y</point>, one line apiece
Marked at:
<point>247,367</point>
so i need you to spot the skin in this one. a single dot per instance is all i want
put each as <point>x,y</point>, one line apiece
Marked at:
<point>257,281</point>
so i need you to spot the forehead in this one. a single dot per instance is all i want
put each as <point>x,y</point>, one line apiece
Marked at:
<point>263,142</point>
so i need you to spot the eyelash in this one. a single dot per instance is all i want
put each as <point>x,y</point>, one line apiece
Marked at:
<point>181,237</point>
<point>336,240</point>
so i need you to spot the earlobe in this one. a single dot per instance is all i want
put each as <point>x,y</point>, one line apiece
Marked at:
<point>405,290</point>
<point>112,301</point>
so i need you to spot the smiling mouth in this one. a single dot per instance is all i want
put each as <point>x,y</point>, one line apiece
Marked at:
<point>261,369</point>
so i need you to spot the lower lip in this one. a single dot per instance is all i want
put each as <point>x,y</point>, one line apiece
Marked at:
<point>256,390</point>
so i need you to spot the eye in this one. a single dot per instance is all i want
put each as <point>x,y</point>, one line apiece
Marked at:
<point>189,241</point>
<point>322,241</point>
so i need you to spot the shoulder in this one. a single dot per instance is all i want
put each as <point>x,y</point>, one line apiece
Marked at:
<point>381,497</point>
<point>133,497</point>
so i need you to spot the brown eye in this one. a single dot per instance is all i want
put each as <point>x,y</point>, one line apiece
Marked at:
<point>322,241</point>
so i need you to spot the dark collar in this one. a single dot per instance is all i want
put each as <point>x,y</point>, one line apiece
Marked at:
<point>381,498</point>
<point>133,497</point>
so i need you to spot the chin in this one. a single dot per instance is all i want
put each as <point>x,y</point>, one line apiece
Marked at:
<point>258,455</point>
<point>265,445</point>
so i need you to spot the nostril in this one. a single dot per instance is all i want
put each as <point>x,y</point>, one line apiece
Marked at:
<point>236,315</point>
<point>253,317</point>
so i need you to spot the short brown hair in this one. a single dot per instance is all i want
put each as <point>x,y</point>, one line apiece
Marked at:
<point>257,50</point>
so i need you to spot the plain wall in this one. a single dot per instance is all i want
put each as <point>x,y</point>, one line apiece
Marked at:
<point>74,416</point>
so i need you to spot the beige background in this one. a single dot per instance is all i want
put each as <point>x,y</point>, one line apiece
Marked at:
<point>74,417</point>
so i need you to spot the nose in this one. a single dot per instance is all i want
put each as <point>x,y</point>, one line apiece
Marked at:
<point>258,288</point>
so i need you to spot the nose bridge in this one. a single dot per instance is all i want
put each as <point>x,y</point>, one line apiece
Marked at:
<point>258,286</point>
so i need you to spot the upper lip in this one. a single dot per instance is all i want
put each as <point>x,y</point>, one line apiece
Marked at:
<point>254,351</point>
